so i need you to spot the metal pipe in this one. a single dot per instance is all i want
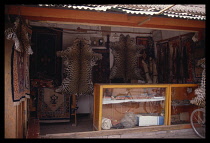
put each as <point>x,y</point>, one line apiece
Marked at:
<point>80,29</point>
<point>156,14</point>
<point>85,30</point>
<point>165,9</point>
<point>148,19</point>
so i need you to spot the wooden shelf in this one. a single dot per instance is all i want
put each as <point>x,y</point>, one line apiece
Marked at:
<point>181,105</point>
<point>105,101</point>
<point>102,105</point>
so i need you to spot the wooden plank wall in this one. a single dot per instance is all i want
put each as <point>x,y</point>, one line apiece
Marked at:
<point>96,114</point>
<point>9,109</point>
<point>15,117</point>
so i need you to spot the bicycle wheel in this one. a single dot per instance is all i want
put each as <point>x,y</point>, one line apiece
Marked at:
<point>198,121</point>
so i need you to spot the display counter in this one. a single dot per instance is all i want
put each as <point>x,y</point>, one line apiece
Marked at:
<point>131,105</point>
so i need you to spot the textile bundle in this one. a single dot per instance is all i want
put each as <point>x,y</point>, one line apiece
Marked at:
<point>126,55</point>
<point>78,62</point>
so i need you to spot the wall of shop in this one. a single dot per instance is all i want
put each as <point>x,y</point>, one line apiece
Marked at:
<point>9,108</point>
<point>15,117</point>
<point>169,34</point>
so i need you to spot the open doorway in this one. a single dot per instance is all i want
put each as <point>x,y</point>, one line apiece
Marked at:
<point>100,72</point>
<point>54,110</point>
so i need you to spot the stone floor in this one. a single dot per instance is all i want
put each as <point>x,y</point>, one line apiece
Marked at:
<point>33,128</point>
<point>84,123</point>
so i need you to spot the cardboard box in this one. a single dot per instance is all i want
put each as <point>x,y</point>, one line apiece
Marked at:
<point>149,120</point>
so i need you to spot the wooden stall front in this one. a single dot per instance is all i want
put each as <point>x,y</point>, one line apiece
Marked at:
<point>162,105</point>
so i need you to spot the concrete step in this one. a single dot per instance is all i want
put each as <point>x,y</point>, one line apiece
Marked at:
<point>172,131</point>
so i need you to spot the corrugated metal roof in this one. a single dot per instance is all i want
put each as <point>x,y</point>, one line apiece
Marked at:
<point>187,11</point>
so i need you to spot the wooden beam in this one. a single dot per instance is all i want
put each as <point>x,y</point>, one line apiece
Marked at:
<point>104,18</point>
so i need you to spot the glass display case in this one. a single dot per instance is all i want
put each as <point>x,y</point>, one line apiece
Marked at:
<point>119,106</point>
<point>130,105</point>
<point>179,103</point>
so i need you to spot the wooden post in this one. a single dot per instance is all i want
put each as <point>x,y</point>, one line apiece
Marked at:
<point>73,106</point>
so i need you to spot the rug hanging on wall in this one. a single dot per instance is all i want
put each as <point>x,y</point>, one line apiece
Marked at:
<point>20,34</point>
<point>175,60</point>
<point>188,45</point>
<point>19,76</point>
<point>163,62</point>
<point>102,69</point>
<point>52,105</point>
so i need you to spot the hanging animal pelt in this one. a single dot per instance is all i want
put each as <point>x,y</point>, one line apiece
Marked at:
<point>200,92</point>
<point>78,62</point>
<point>20,35</point>
<point>126,55</point>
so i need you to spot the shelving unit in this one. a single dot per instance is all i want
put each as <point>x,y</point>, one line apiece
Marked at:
<point>109,106</point>
<point>132,100</point>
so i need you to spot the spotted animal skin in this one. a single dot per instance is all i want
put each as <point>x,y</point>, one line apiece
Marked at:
<point>18,33</point>
<point>78,62</point>
<point>126,55</point>
<point>199,100</point>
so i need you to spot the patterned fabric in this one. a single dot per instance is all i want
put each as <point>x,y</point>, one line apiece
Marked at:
<point>78,62</point>
<point>20,76</point>
<point>102,69</point>
<point>52,105</point>
<point>163,62</point>
<point>188,46</point>
<point>19,59</point>
<point>175,60</point>
<point>202,63</point>
<point>173,45</point>
<point>126,55</point>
